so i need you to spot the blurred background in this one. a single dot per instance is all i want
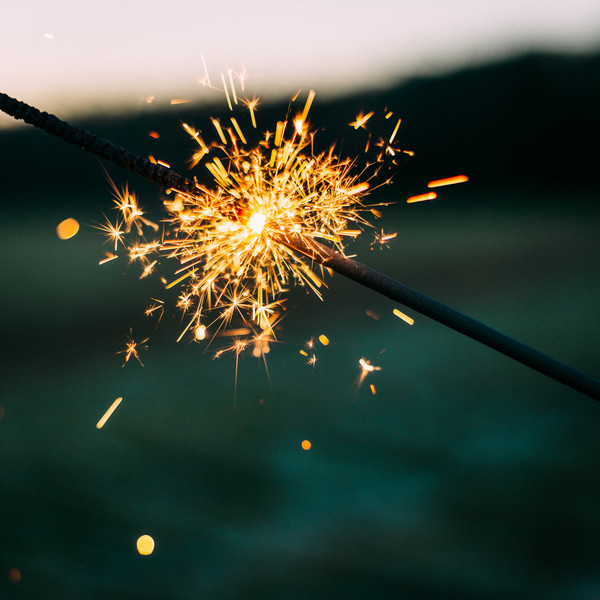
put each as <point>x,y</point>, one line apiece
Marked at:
<point>466,475</point>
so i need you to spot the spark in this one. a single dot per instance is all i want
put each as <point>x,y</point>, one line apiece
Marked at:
<point>447,181</point>
<point>306,445</point>
<point>422,197</point>
<point>324,340</point>
<point>373,390</point>
<point>181,100</point>
<point>366,368</point>
<point>109,257</point>
<point>392,137</point>
<point>361,120</point>
<point>404,317</point>
<point>154,134</point>
<point>132,348</point>
<point>108,413</point>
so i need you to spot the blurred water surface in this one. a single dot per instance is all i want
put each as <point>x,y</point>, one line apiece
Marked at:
<point>465,476</point>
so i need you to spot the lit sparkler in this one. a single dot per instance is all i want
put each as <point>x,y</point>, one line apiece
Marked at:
<point>231,239</point>
<point>293,247</point>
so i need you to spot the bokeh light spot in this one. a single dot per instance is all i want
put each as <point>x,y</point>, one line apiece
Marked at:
<point>145,545</point>
<point>67,229</point>
<point>306,445</point>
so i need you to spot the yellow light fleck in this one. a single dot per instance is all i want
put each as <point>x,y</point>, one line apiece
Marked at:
<point>180,100</point>
<point>324,339</point>
<point>108,413</point>
<point>404,317</point>
<point>200,332</point>
<point>154,134</point>
<point>145,545</point>
<point>226,92</point>
<point>395,130</point>
<point>67,229</point>
<point>164,164</point>
<point>421,197</point>
<point>309,100</point>
<point>373,390</point>
<point>239,131</point>
<point>306,445</point>
<point>304,353</point>
<point>447,181</point>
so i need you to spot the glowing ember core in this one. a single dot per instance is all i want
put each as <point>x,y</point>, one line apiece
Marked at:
<point>256,223</point>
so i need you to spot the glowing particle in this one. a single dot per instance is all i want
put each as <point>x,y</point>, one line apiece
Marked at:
<point>392,137</point>
<point>357,189</point>
<point>422,197</point>
<point>108,413</point>
<point>154,134</point>
<point>373,390</point>
<point>309,100</point>
<point>404,317</point>
<point>163,163</point>
<point>324,340</point>
<point>226,92</point>
<point>361,119</point>
<point>109,257</point>
<point>447,181</point>
<point>239,131</point>
<point>67,229</point>
<point>366,366</point>
<point>372,314</point>
<point>145,545</point>
<point>181,100</point>
<point>200,332</point>
<point>148,99</point>
<point>306,445</point>
<point>304,353</point>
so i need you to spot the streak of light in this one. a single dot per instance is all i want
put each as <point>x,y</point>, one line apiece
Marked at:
<point>404,317</point>
<point>421,197</point>
<point>361,120</point>
<point>447,181</point>
<point>324,339</point>
<point>109,257</point>
<point>100,424</point>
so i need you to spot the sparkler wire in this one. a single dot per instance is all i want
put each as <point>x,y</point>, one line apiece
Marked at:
<point>319,253</point>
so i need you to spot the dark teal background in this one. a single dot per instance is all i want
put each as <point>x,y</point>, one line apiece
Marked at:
<point>466,476</point>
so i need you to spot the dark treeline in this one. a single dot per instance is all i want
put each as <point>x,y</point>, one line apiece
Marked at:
<point>526,122</point>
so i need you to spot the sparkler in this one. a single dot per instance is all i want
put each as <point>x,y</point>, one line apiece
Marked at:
<point>272,207</point>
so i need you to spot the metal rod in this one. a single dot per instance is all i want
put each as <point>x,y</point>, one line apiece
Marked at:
<point>317,252</point>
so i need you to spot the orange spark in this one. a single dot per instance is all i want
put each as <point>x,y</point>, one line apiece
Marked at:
<point>447,181</point>
<point>421,197</point>
<point>361,119</point>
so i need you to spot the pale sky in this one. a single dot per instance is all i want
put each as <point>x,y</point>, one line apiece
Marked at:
<point>73,57</point>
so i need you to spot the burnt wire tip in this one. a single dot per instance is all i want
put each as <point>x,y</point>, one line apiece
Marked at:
<point>318,253</point>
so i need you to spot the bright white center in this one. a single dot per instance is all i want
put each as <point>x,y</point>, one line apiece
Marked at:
<point>256,223</point>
